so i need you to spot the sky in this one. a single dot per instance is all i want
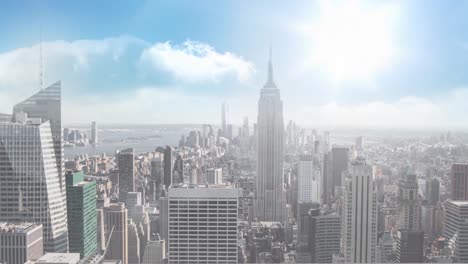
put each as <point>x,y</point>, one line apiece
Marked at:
<point>338,64</point>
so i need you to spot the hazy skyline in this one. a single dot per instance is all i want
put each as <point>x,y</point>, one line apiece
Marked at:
<point>359,64</point>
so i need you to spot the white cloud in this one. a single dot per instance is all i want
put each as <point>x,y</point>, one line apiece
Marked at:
<point>406,113</point>
<point>195,61</point>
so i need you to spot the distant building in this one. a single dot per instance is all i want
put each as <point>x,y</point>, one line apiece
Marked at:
<point>156,178</point>
<point>432,191</point>
<point>116,223</point>
<point>168,164</point>
<point>339,164</point>
<point>94,133</point>
<point>224,109</point>
<point>126,164</point>
<point>456,229</point>
<point>210,211</point>
<point>308,181</point>
<point>324,236</point>
<point>359,216</point>
<point>459,182</point>
<point>214,176</point>
<point>409,206</point>
<point>133,243</point>
<point>359,143</point>
<point>82,218</point>
<point>20,242</point>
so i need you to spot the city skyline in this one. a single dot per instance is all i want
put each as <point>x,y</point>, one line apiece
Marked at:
<point>399,75</point>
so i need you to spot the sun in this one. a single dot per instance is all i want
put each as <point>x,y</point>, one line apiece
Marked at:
<point>351,40</point>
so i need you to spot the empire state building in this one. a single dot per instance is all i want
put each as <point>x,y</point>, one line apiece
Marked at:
<point>270,196</point>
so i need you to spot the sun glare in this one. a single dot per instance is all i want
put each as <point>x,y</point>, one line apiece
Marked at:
<point>352,41</point>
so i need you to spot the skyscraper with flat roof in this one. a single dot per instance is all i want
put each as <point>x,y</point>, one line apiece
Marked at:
<point>459,182</point>
<point>116,223</point>
<point>359,216</point>
<point>82,218</point>
<point>126,163</point>
<point>456,229</point>
<point>202,225</point>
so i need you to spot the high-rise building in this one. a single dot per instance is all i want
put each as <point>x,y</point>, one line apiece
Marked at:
<point>116,223</point>
<point>30,182</point>
<point>303,215</point>
<point>409,206</point>
<point>359,143</point>
<point>326,177</point>
<point>456,229</point>
<point>126,163</point>
<point>270,200</point>
<point>224,109</point>
<point>47,105</point>
<point>339,164</point>
<point>156,178</point>
<point>410,238</point>
<point>324,235</point>
<point>168,163</point>
<point>94,133</point>
<point>179,169</point>
<point>133,243</point>
<point>432,191</point>
<point>82,218</point>
<point>20,242</point>
<point>359,216</point>
<point>459,182</point>
<point>100,233</point>
<point>202,226</point>
<point>308,181</point>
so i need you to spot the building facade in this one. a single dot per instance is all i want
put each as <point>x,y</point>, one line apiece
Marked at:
<point>126,163</point>
<point>82,218</point>
<point>202,225</point>
<point>270,199</point>
<point>456,229</point>
<point>359,216</point>
<point>116,228</point>
<point>20,242</point>
<point>459,182</point>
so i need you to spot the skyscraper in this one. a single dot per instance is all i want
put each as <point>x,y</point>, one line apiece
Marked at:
<point>409,206</point>
<point>116,223</point>
<point>94,133</point>
<point>224,118</point>
<point>270,196</point>
<point>202,225</point>
<point>459,182</point>
<point>82,218</point>
<point>359,217</point>
<point>339,164</point>
<point>32,188</point>
<point>324,235</point>
<point>126,163</point>
<point>168,164</point>
<point>432,191</point>
<point>456,229</point>
<point>308,181</point>
<point>47,105</point>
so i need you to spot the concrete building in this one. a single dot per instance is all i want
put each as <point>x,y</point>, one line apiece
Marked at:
<point>156,178</point>
<point>133,243</point>
<point>459,182</point>
<point>202,225</point>
<point>20,242</point>
<point>456,229</point>
<point>270,202</point>
<point>126,164</point>
<point>31,185</point>
<point>409,246</point>
<point>59,258</point>
<point>432,191</point>
<point>409,205</point>
<point>324,236</point>
<point>168,164</point>
<point>116,223</point>
<point>359,215</point>
<point>82,218</point>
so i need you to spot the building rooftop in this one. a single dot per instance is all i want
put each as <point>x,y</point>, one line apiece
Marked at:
<point>59,258</point>
<point>18,227</point>
<point>459,202</point>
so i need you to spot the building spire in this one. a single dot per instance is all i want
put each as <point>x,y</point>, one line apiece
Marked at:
<point>270,82</point>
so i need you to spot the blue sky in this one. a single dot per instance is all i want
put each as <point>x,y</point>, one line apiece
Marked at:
<point>373,64</point>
